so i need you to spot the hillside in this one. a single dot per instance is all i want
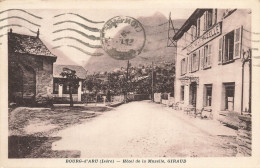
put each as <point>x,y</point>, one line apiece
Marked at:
<point>156,29</point>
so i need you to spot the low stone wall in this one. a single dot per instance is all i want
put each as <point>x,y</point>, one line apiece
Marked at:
<point>119,98</point>
<point>64,99</point>
<point>244,136</point>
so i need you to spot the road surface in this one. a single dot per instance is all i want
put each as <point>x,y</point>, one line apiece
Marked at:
<point>144,129</point>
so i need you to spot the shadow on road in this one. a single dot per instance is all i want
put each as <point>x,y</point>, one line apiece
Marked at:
<point>36,147</point>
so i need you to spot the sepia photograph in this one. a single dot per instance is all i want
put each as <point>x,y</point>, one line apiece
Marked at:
<point>128,86</point>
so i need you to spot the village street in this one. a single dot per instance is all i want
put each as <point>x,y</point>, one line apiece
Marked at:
<point>146,129</point>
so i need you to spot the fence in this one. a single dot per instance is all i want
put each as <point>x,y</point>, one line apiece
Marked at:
<point>119,98</point>
<point>138,97</point>
<point>164,99</point>
<point>131,97</point>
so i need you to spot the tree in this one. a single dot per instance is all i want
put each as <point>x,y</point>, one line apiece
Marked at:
<point>72,81</point>
<point>95,85</point>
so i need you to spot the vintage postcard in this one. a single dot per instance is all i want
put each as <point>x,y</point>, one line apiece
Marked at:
<point>130,84</point>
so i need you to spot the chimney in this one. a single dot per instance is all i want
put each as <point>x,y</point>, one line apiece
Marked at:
<point>38,33</point>
<point>11,31</point>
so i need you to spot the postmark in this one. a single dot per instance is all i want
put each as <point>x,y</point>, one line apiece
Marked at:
<point>123,37</point>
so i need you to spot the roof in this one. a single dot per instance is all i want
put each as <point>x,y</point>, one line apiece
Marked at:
<point>80,71</point>
<point>189,22</point>
<point>26,44</point>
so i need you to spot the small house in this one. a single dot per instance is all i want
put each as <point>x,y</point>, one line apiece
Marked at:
<point>30,69</point>
<point>60,86</point>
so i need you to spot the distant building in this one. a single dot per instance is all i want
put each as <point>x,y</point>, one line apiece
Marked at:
<point>211,46</point>
<point>61,89</point>
<point>30,69</point>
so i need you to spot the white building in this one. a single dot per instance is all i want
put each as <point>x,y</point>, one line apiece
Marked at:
<point>61,90</point>
<point>211,46</point>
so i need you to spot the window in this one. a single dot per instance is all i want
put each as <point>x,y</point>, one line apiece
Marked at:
<point>206,56</point>
<point>194,61</point>
<point>183,66</point>
<point>229,96</point>
<point>66,89</point>
<point>182,93</point>
<point>55,88</point>
<point>208,95</point>
<point>230,46</point>
<point>208,19</point>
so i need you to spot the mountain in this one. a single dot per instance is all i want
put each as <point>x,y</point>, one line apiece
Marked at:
<point>155,49</point>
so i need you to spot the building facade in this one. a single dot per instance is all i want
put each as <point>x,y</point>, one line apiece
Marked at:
<point>211,67</point>
<point>30,69</point>
<point>60,86</point>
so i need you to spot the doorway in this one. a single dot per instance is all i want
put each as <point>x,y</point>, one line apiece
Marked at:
<point>193,94</point>
<point>229,96</point>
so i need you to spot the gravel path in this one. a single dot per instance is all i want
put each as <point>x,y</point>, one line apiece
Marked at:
<point>143,129</point>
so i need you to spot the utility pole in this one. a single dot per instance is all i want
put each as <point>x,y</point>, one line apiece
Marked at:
<point>250,81</point>
<point>152,84</point>
<point>126,83</point>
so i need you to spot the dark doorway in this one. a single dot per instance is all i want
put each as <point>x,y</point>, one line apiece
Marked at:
<point>21,84</point>
<point>207,95</point>
<point>15,83</point>
<point>229,96</point>
<point>193,94</point>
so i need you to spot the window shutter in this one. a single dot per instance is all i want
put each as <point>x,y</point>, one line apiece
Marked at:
<point>186,64</point>
<point>209,55</point>
<point>198,60</point>
<point>210,22</point>
<point>215,16</point>
<point>220,50</point>
<point>190,62</point>
<point>202,58</point>
<point>182,66</point>
<point>192,33</point>
<point>237,42</point>
<point>198,27</point>
<point>206,21</point>
<point>202,24</point>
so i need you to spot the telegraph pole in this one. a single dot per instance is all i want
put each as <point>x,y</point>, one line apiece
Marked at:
<point>250,81</point>
<point>126,83</point>
<point>152,83</point>
<point>127,68</point>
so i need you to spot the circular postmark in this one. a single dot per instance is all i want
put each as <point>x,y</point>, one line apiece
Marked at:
<point>123,37</point>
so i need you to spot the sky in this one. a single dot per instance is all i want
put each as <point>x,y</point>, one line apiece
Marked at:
<point>53,22</point>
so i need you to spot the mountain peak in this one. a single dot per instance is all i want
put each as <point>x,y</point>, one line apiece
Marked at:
<point>154,20</point>
<point>158,14</point>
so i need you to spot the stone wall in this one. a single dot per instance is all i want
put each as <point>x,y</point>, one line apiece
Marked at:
<point>244,136</point>
<point>65,98</point>
<point>44,82</point>
<point>119,98</point>
<point>37,76</point>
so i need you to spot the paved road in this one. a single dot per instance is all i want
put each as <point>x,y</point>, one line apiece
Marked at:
<point>143,129</point>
